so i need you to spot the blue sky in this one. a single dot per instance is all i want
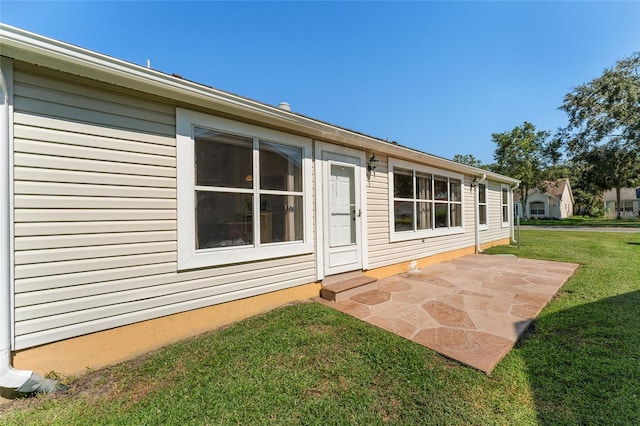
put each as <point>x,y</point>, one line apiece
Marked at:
<point>437,76</point>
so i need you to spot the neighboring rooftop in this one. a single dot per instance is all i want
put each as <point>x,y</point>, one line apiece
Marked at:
<point>553,187</point>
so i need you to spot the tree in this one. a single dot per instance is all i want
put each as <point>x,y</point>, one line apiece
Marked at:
<point>604,126</point>
<point>610,166</point>
<point>587,199</point>
<point>605,110</point>
<point>468,159</point>
<point>524,153</point>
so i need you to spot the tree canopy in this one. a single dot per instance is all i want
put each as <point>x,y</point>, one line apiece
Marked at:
<point>524,153</point>
<point>468,159</point>
<point>606,109</point>
<point>609,166</point>
<point>603,133</point>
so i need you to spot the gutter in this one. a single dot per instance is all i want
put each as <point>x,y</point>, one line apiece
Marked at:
<point>511,226</point>
<point>482,179</point>
<point>22,381</point>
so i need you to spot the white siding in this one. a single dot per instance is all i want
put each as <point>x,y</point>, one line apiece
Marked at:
<point>566,205</point>
<point>95,215</point>
<point>378,213</point>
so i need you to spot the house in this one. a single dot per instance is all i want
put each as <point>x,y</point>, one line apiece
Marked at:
<point>145,208</point>
<point>629,202</point>
<point>555,202</point>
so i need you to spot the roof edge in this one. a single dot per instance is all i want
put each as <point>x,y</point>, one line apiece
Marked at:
<point>40,50</point>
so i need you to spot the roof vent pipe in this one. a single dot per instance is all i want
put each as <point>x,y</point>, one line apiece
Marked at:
<point>284,106</point>
<point>16,380</point>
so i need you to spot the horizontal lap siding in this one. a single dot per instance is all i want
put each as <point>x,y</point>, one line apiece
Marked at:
<point>382,252</point>
<point>95,215</point>
<point>469,196</point>
<point>101,305</point>
<point>378,213</point>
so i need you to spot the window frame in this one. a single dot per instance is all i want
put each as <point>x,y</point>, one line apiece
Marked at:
<point>537,210</point>
<point>626,206</point>
<point>506,188</point>
<point>188,256</point>
<point>395,236</point>
<point>483,226</point>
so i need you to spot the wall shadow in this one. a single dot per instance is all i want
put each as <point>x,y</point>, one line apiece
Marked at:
<point>583,363</point>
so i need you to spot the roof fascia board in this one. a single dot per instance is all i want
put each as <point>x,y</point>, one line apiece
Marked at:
<point>568,189</point>
<point>33,48</point>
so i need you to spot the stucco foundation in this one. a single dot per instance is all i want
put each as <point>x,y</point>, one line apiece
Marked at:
<point>78,355</point>
<point>400,268</point>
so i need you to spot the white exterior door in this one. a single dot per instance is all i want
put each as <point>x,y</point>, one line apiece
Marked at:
<point>343,212</point>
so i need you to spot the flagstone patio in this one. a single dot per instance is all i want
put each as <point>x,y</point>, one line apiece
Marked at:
<point>471,309</point>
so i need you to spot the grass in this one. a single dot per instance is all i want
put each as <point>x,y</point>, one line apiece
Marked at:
<point>308,364</point>
<point>584,221</point>
<point>583,354</point>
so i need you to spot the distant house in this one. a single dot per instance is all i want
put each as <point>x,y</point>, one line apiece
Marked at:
<point>145,208</point>
<point>629,202</point>
<point>555,202</point>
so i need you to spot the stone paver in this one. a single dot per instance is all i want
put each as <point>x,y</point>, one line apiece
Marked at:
<point>471,309</point>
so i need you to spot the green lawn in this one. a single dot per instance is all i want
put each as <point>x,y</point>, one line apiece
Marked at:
<point>307,364</point>
<point>585,221</point>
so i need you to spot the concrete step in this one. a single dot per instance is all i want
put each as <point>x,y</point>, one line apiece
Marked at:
<point>343,289</point>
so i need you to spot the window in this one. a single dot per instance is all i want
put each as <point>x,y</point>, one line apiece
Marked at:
<point>241,192</point>
<point>482,205</point>
<point>536,208</point>
<point>505,205</point>
<point>425,201</point>
<point>626,206</point>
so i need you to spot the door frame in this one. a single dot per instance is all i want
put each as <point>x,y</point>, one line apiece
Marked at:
<point>320,205</point>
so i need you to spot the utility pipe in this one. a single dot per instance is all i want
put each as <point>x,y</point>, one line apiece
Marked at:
<point>513,239</point>
<point>477,199</point>
<point>22,381</point>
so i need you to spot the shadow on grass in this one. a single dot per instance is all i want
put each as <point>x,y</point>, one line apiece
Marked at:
<point>583,363</point>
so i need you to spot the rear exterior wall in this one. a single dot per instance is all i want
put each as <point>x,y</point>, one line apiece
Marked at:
<point>95,214</point>
<point>95,234</point>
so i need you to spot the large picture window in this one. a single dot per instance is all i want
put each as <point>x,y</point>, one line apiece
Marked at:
<point>241,192</point>
<point>425,201</point>
<point>226,191</point>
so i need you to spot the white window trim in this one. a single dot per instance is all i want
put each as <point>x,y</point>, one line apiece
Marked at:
<point>320,193</point>
<point>509,205</point>
<point>624,204</point>
<point>422,233</point>
<point>484,227</point>
<point>544,208</point>
<point>188,256</point>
